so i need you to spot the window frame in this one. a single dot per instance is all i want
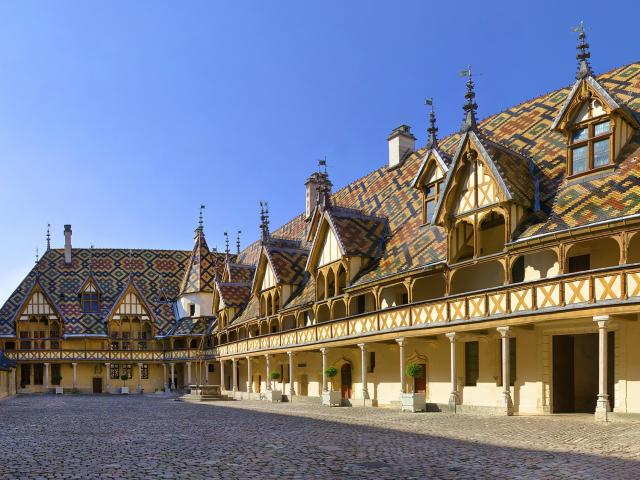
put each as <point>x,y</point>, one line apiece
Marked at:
<point>435,188</point>
<point>589,142</point>
<point>90,302</point>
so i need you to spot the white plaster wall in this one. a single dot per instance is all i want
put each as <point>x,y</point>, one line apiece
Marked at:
<point>203,302</point>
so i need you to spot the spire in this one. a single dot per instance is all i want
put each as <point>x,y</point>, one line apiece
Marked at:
<point>226,244</point>
<point>323,192</point>
<point>470,106</point>
<point>37,255</point>
<point>264,221</point>
<point>238,242</point>
<point>201,218</point>
<point>48,237</point>
<point>584,67</point>
<point>90,258</point>
<point>432,130</point>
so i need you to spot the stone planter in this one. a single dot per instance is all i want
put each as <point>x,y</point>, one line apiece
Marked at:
<point>413,402</point>
<point>332,399</point>
<point>59,390</point>
<point>124,390</point>
<point>273,396</point>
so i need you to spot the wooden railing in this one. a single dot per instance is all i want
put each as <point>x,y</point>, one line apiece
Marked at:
<point>605,286</point>
<point>108,355</point>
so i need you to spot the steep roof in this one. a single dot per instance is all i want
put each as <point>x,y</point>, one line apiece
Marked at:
<point>234,294</point>
<point>156,274</point>
<point>203,267</point>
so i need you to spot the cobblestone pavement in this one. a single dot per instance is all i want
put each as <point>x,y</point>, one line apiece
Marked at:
<point>154,436</point>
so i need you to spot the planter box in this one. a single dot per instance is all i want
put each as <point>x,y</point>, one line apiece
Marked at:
<point>273,396</point>
<point>413,402</point>
<point>59,390</point>
<point>124,390</point>
<point>332,399</point>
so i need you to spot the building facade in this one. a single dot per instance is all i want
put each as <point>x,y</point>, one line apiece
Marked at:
<point>504,259</point>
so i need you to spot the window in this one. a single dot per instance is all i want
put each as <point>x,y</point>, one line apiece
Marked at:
<point>372,362</point>
<point>90,299</point>
<point>361,304</point>
<point>590,146</point>
<point>145,372</point>
<point>114,374</point>
<point>25,375</point>
<point>126,370</point>
<point>471,364</point>
<point>579,263</point>
<point>430,193</point>
<point>212,368</point>
<point>25,344</point>
<point>512,361</point>
<point>192,309</point>
<point>55,374</point>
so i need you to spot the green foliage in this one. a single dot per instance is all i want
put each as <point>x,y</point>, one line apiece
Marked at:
<point>274,375</point>
<point>331,372</point>
<point>413,370</point>
<point>124,377</point>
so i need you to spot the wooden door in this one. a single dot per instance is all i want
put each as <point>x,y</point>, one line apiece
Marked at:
<point>303,385</point>
<point>563,374</point>
<point>420,383</point>
<point>97,385</point>
<point>345,375</point>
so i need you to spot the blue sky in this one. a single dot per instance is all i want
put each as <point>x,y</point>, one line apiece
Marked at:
<point>121,118</point>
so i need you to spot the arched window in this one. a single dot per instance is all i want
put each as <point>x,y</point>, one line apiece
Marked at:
<point>342,280</point>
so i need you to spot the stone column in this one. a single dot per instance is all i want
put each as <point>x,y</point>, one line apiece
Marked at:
<point>188,373</point>
<point>507,403</point>
<point>206,373</point>
<point>106,380</point>
<point>164,377</point>
<point>139,377</point>
<point>172,380</point>
<point>292,391</point>
<point>46,375</point>
<point>402,374</point>
<point>602,402</point>
<point>453,397</point>
<point>234,374</point>
<point>363,370</point>
<point>268,379</point>
<point>249,376</point>
<point>75,374</point>
<point>324,368</point>
<point>223,384</point>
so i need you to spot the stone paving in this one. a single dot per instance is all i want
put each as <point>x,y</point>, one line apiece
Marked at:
<point>75,436</point>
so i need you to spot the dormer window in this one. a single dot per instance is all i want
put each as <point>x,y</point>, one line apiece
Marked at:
<point>430,199</point>
<point>590,146</point>
<point>90,299</point>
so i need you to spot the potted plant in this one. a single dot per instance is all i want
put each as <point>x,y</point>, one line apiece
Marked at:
<point>124,390</point>
<point>58,382</point>
<point>413,402</point>
<point>273,395</point>
<point>331,398</point>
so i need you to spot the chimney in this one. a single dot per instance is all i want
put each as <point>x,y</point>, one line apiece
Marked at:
<point>318,188</point>
<point>401,143</point>
<point>67,244</point>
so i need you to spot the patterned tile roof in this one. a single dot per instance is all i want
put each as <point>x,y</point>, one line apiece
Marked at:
<point>156,274</point>
<point>6,364</point>
<point>359,234</point>
<point>192,326</point>
<point>238,273</point>
<point>234,294</point>
<point>287,259</point>
<point>203,267</point>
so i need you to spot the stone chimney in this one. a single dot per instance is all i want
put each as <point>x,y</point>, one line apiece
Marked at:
<point>318,188</point>
<point>67,244</point>
<point>401,144</point>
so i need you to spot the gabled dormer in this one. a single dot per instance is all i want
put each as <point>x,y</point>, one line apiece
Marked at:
<point>38,320</point>
<point>595,126</point>
<point>488,191</point>
<point>345,242</point>
<point>432,171</point>
<point>131,322</point>
<point>89,294</point>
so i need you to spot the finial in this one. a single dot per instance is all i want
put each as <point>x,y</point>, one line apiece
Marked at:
<point>201,217</point>
<point>226,244</point>
<point>48,237</point>
<point>322,165</point>
<point>264,220</point>
<point>37,255</point>
<point>90,257</point>
<point>584,67</point>
<point>470,107</point>
<point>238,242</point>
<point>432,130</point>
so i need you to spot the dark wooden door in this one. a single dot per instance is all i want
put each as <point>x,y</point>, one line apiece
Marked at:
<point>345,374</point>
<point>97,385</point>
<point>563,374</point>
<point>420,383</point>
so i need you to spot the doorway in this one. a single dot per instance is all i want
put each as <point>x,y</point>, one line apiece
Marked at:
<point>575,372</point>
<point>420,383</point>
<point>303,385</point>
<point>345,376</point>
<point>97,385</point>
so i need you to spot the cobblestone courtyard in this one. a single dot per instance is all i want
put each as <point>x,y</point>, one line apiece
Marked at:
<point>153,436</point>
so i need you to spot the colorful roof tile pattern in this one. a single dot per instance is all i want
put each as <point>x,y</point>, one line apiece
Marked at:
<point>192,326</point>
<point>234,294</point>
<point>359,234</point>
<point>156,274</point>
<point>287,259</point>
<point>239,273</point>
<point>203,267</point>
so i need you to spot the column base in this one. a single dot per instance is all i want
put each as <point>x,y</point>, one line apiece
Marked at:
<point>507,403</point>
<point>602,408</point>
<point>453,402</point>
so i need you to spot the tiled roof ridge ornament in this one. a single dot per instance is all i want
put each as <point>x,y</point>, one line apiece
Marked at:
<point>583,55</point>
<point>470,106</point>
<point>238,242</point>
<point>432,131</point>
<point>324,187</point>
<point>226,245</point>
<point>48,237</point>
<point>264,222</point>
<point>200,228</point>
